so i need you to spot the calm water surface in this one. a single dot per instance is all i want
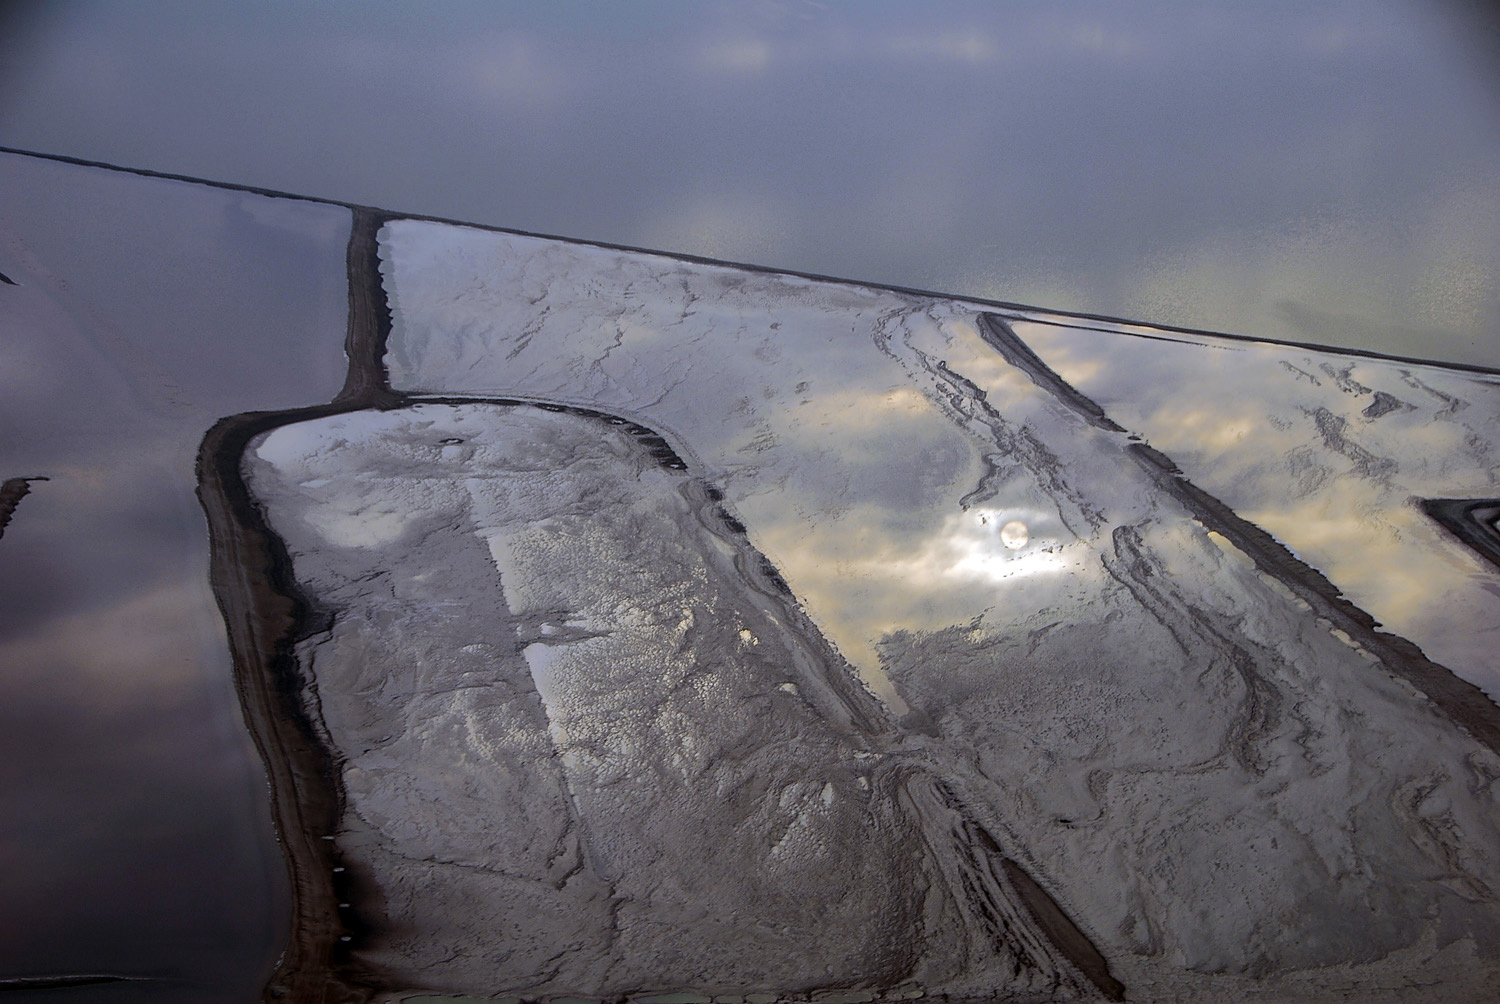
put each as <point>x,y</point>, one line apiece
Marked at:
<point>136,839</point>
<point>1322,173</point>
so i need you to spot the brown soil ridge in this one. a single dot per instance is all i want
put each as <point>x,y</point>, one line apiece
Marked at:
<point>265,616</point>
<point>1060,929</point>
<point>367,384</point>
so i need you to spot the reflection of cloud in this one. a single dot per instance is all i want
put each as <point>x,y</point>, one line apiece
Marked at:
<point>287,216</point>
<point>995,545</point>
<point>847,463</point>
<point>1097,38</point>
<point>968,549</point>
<point>509,69</point>
<point>1342,279</point>
<point>960,46</point>
<point>136,836</point>
<point>1337,493</point>
<point>93,64</point>
<point>133,651</point>
<point>495,68</point>
<point>850,466</point>
<point>737,55</point>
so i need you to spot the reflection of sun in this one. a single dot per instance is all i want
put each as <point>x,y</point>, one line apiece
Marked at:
<point>973,547</point>
<point>1014,536</point>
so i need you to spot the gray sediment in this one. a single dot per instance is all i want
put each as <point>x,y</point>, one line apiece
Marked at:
<point>268,615</point>
<point>998,931</point>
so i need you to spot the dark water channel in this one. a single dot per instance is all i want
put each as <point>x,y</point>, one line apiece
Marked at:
<point>135,840</point>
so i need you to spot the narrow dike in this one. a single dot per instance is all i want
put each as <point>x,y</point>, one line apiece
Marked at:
<point>265,616</point>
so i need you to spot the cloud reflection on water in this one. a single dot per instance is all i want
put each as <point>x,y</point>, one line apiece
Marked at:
<point>878,502</point>
<point>139,840</point>
<point>1299,442</point>
<point>1150,704</point>
<point>1280,169</point>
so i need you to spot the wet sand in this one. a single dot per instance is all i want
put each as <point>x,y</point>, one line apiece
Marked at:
<point>729,857</point>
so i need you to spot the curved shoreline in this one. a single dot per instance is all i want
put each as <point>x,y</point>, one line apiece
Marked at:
<point>266,616</point>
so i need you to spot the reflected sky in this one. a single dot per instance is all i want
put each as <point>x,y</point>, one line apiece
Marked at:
<point>1330,454</point>
<point>549,660</point>
<point>137,839</point>
<point>884,483</point>
<point>875,477</point>
<point>1322,172</point>
<point>1150,699</point>
<point>912,487</point>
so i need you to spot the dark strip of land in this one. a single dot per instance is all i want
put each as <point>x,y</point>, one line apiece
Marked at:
<point>1062,932</point>
<point>367,383</point>
<point>12,492</point>
<point>20,984</point>
<point>266,615</point>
